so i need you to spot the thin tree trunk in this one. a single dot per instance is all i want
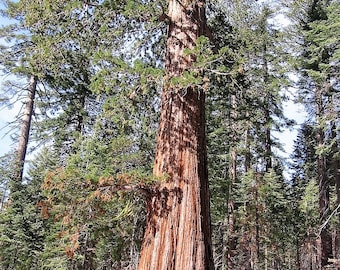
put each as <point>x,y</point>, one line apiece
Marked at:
<point>325,248</point>
<point>298,256</point>
<point>336,233</point>
<point>268,142</point>
<point>231,219</point>
<point>247,155</point>
<point>257,226</point>
<point>325,237</point>
<point>81,107</point>
<point>25,129</point>
<point>178,233</point>
<point>335,170</point>
<point>231,244</point>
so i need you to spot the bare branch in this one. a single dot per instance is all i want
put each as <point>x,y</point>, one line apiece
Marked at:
<point>328,219</point>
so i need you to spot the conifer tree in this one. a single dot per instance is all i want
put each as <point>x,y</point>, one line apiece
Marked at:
<point>317,90</point>
<point>304,196</point>
<point>22,228</point>
<point>177,234</point>
<point>15,59</point>
<point>98,101</point>
<point>6,163</point>
<point>252,98</point>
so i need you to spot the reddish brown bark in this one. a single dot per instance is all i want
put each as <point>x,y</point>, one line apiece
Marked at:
<point>177,234</point>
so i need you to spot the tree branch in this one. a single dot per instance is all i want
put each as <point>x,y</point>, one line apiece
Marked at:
<point>145,190</point>
<point>328,219</point>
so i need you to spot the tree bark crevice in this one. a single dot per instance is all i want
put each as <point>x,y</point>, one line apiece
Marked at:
<point>177,233</point>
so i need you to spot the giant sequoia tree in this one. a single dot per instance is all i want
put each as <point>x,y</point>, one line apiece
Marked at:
<point>177,234</point>
<point>99,106</point>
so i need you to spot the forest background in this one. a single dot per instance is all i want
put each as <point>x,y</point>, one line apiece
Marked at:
<point>89,75</point>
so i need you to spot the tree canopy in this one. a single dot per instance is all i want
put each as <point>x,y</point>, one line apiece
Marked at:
<point>154,123</point>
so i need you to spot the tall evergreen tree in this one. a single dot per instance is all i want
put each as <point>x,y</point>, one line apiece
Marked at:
<point>97,105</point>
<point>177,234</point>
<point>22,228</point>
<point>252,107</point>
<point>317,90</point>
<point>304,197</point>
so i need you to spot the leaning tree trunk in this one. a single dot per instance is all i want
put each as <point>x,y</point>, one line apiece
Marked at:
<point>25,129</point>
<point>178,234</point>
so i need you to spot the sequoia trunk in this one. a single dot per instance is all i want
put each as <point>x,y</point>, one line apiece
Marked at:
<point>177,234</point>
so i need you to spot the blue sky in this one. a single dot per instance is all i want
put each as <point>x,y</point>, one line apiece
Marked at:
<point>6,115</point>
<point>291,110</point>
<point>297,113</point>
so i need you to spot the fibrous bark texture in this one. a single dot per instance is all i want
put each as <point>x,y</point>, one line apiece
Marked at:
<point>177,234</point>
